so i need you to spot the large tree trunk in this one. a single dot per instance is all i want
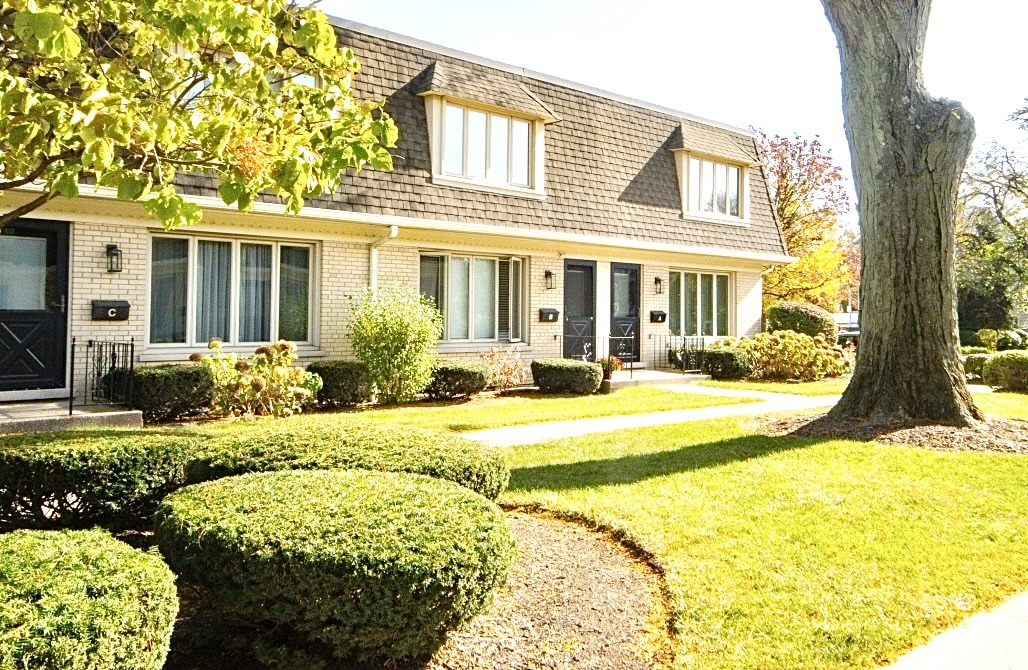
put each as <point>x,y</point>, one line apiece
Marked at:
<point>908,152</point>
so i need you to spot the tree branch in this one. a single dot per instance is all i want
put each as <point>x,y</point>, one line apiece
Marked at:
<point>37,171</point>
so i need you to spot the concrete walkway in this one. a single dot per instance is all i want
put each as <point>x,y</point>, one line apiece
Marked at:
<point>993,640</point>
<point>554,430</point>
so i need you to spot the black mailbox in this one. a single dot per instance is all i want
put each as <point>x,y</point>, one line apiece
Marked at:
<point>548,315</point>
<point>110,310</point>
<point>657,316</point>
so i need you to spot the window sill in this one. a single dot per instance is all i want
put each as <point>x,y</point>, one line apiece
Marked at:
<point>516,191</point>
<point>157,354</point>
<point>706,218</point>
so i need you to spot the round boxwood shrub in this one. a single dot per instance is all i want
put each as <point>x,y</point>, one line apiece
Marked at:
<point>81,600</point>
<point>727,363</point>
<point>803,318</point>
<point>167,392</point>
<point>988,338</point>
<point>1008,370</point>
<point>974,364</point>
<point>80,479</point>
<point>457,379</point>
<point>327,443</point>
<point>1008,339</point>
<point>346,383</point>
<point>565,375</point>
<point>348,563</point>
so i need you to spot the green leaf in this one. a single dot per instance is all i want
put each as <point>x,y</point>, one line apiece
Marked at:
<point>230,192</point>
<point>67,185</point>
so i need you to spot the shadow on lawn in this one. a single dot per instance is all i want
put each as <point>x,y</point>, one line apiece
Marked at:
<point>636,468</point>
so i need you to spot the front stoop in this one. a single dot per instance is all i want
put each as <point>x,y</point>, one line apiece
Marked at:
<point>51,416</point>
<point>622,379</point>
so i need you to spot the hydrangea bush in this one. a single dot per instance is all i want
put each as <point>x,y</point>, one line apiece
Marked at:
<point>788,355</point>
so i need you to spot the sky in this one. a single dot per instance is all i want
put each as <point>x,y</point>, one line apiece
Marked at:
<point>767,64</point>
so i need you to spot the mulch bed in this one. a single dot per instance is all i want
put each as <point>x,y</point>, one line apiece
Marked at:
<point>994,435</point>
<point>575,599</point>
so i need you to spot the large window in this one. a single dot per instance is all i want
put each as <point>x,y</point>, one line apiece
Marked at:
<point>486,147</point>
<point>715,188</point>
<point>481,297</point>
<point>239,292</point>
<point>699,304</point>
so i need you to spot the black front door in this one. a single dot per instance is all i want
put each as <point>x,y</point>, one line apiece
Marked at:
<point>33,305</point>
<point>624,311</point>
<point>580,310</point>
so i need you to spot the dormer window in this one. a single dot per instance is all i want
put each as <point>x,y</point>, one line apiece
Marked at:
<point>714,188</point>
<point>487,147</point>
<point>714,173</point>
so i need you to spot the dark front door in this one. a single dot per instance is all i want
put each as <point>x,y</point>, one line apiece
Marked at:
<point>33,305</point>
<point>580,310</point>
<point>624,311</point>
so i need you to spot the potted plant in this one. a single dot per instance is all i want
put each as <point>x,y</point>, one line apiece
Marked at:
<point>609,365</point>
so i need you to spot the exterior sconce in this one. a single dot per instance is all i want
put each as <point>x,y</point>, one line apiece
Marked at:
<point>551,280</point>
<point>658,284</point>
<point>113,258</point>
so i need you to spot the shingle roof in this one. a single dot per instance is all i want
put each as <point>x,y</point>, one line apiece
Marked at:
<point>695,137</point>
<point>456,80</point>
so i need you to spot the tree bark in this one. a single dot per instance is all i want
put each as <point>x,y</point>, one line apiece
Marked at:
<point>908,151</point>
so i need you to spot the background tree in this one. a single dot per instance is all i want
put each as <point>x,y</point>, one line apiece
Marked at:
<point>808,193</point>
<point>129,93</point>
<point>908,150</point>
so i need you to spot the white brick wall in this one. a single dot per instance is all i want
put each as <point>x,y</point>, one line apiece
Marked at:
<point>344,273</point>
<point>749,287</point>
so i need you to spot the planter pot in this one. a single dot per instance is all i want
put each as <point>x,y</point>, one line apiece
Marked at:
<point>605,386</point>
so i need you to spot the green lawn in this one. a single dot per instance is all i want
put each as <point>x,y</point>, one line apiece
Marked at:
<point>1009,405</point>
<point>495,412</point>
<point>823,387</point>
<point>793,553</point>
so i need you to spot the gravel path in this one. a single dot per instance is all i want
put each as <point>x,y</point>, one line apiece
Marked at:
<point>575,599</point>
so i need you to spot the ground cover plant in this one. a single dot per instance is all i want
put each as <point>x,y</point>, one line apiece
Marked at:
<point>82,600</point>
<point>344,563</point>
<point>788,552</point>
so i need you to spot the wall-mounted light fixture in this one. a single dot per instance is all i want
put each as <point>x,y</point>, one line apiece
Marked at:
<point>551,280</point>
<point>113,258</point>
<point>658,284</point>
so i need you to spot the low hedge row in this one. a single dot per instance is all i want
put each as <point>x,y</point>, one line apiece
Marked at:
<point>563,375</point>
<point>346,383</point>
<point>81,479</point>
<point>81,600</point>
<point>727,363</point>
<point>344,442</point>
<point>1007,370</point>
<point>168,392</point>
<point>457,379</point>
<point>348,563</point>
<point>974,364</point>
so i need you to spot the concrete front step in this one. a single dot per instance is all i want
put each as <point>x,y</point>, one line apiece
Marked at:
<point>49,416</point>
<point>624,379</point>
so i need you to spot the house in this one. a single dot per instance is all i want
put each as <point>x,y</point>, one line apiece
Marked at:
<point>535,211</point>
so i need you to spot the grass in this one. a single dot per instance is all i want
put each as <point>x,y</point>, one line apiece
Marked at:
<point>497,411</point>
<point>824,387</point>
<point>1005,404</point>
<point>793,553</point>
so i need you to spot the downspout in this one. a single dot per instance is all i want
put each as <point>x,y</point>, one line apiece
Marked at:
<point>373,255</point>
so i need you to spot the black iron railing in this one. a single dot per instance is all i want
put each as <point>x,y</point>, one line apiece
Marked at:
<point>594,347</point>
<point>107,373</point>
<point>676,352</point>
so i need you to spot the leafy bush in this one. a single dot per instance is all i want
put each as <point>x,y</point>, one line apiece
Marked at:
<point>265,383</point>
<point>506,369</point>
<point>727,363</point>
<point>1008,370</point>
<point>967,351</point>
<point>974,364</point>
<point>80,479</point>
<point>987,338</point>
<point>345,442</point>
<point>1023,333</point>
<point>166,392</point>
<point>968,338</point>
<point>1008,339</point>
<point>81,600</point>
<point>610,365</point>
<point>345,383</point>
<point>802,318</point>
<point>787,355</point>
<point>354,564</point>
<point>394,332</point>
<point>562,375</point>
<point>457,379</point>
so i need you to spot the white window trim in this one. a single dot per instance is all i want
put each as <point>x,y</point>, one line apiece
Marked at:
<point>731,303</point>
<point>173,350</point>
<point>445,309</point>
<point>682,158</point>
<point>435,110</point>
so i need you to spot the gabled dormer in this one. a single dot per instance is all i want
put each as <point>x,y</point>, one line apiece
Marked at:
<point>713,175</point>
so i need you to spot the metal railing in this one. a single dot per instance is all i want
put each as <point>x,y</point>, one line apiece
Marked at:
<point>107,377</point>
<point>592,348</point>
<point>676,352</point>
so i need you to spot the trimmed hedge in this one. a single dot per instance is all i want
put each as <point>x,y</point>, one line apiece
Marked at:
<point>80,479</point>
<point>974,364</point>
<point>1008,370</point>
<point>346,383</point>
<point>328,443</point>
<point>341,563</point>
<point>727,363</point>
<point>457,379</point>
<point>81,600</point>
<point>967,351</point>
<point>802,318</point>
<point>172,391</point>
<point>563,375</point>
<point>969,338</point>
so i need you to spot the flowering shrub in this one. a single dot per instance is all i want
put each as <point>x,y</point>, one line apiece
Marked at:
<point>610,364</point>
<point>788,355</point>
<point>506,366</point>
<point>266,383</point>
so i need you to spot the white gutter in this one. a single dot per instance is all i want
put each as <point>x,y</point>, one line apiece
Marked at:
<point>394,230</point>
